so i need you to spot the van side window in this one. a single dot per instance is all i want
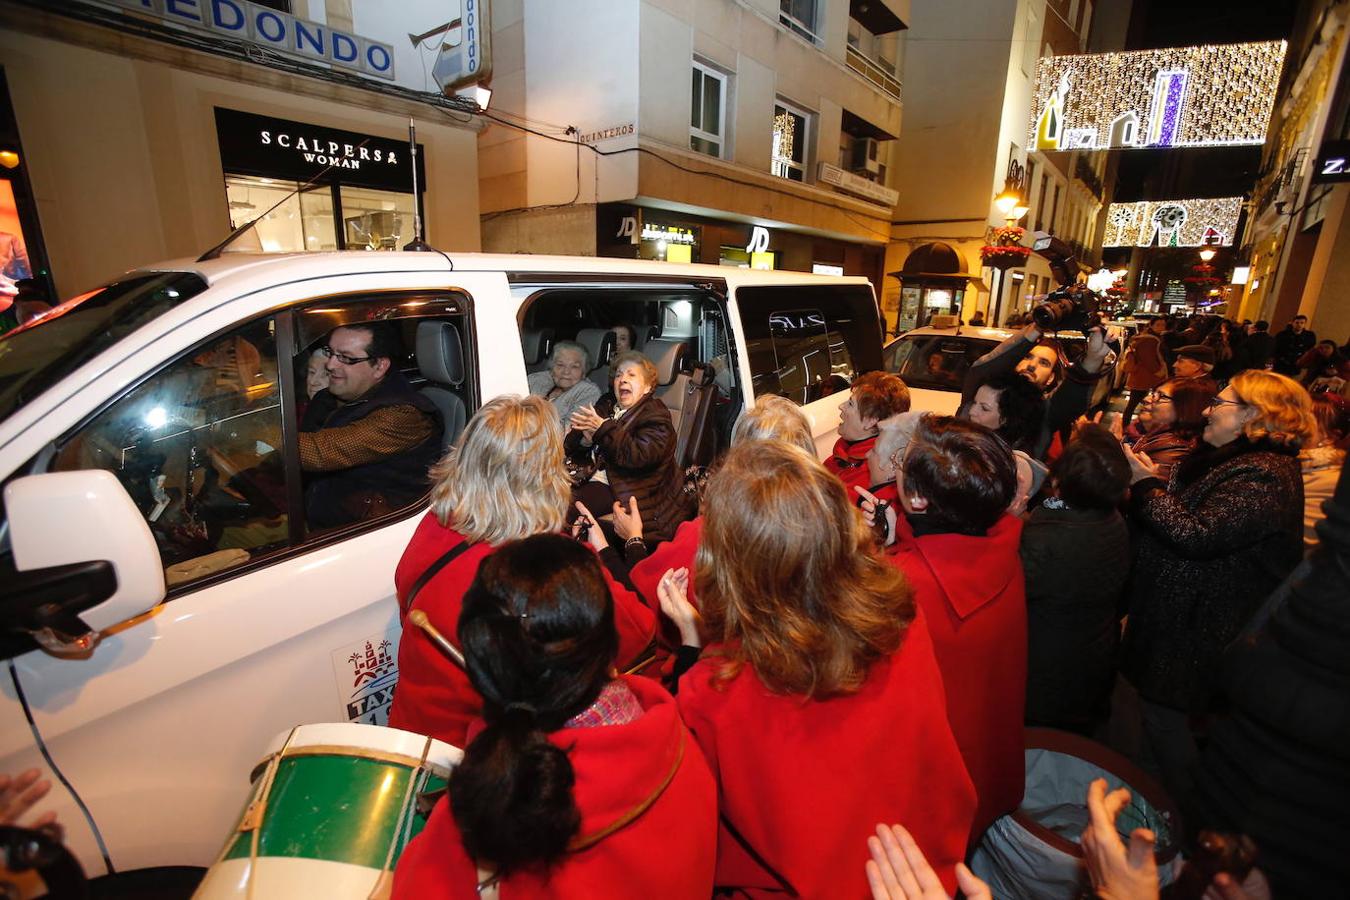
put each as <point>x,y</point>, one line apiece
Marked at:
<point>384,392</point>
<point>198,448</point>
<point>805,343</point>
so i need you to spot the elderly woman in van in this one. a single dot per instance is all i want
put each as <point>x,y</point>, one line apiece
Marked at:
<point>630,442</point>
<point>564,382</point>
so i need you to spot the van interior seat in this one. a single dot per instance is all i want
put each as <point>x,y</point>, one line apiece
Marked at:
<point>669,358</point>
<point>646,334</point>
<point>599,344</point>
<point>536,344</point>
<point>440,360</point>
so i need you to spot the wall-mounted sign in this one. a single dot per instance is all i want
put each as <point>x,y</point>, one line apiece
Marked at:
<point>463,45</point>
<point>1173,223</point>
<point>1333,162</point>
<point>857,185</point>
<point>1206,96</point>
<point>277,31</point>
<point>759,240</point>
<point>605,134</point>
<point>671,234</point>
<point>298,151</point>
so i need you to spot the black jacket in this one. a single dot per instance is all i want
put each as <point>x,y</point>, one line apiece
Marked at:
<point>1255,352</point>
<point>1289,347</point>
<point>1208,552</point>
<point>1076,563</point>
<point>1278,767</point>
<point>373,489</point>
<point>637,453</point>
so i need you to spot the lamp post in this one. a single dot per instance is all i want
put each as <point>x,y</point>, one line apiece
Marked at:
<point>1000,255</point>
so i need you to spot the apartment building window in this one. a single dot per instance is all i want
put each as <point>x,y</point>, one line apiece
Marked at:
<point>791,141</point>
<point>707,110</point>
<point>1040,204</point>
<point>799,17</point>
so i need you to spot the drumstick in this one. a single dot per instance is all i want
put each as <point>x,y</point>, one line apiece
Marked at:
<point>419,618</point>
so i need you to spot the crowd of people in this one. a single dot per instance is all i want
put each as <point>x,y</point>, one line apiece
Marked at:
<point>812,678</point>
<point>729,689</point>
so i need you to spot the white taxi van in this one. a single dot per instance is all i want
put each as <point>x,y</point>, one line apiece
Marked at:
<point>165,609</point>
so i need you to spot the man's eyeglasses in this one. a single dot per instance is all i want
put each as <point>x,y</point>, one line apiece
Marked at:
<point>344,358</point>
<point>1158,397</point>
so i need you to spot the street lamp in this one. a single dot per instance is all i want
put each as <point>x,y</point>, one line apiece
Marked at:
<point>1207,253</point>
<point>1011,203</point>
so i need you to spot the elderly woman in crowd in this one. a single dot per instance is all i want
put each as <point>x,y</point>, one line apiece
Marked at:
<point>1209,549</point>
<point>1171,420</point>
<point>564,382</point>
<point>503,481</point>
<point>818,703</point>
<point>955,485</point>
<point>630,443</point>
<point>873,397</point>
<point>578,783</point>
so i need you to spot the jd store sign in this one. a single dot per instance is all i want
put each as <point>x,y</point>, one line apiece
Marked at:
<point>297,151</point>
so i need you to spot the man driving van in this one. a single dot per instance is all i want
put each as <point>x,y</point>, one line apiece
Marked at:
<point>369,438</point>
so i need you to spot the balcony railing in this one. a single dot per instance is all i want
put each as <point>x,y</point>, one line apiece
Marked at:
<point>873,72</point>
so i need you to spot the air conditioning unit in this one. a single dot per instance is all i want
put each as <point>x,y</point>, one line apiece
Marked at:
<point>865,156</point>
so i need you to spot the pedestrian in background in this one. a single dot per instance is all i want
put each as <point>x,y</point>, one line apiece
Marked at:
<point>1143,365</point>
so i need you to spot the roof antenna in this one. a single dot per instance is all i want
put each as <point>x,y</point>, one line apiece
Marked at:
<point>416,243</point>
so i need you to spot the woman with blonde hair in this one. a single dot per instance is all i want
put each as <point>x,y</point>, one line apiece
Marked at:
<point>1209,549</point>
<point>503,481</point>
<point>818,702</point>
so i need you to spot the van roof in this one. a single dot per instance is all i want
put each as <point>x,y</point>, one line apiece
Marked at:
<point>267,267</point>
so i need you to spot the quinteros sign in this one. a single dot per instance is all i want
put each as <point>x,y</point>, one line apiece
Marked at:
<point>275,30</point>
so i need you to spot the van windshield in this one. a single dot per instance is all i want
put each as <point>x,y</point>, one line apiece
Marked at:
<point>35,356</point>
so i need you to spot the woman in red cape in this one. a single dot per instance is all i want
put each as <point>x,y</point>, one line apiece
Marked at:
<point>818,703</point>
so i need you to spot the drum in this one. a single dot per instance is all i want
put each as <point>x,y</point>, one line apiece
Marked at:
<point>332,807</point>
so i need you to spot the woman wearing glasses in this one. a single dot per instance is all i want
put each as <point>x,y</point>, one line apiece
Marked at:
<point>1172,418</point>
<point>1210,548</point>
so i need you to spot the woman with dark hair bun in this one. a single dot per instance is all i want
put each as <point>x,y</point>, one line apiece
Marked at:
<point>576,779</point>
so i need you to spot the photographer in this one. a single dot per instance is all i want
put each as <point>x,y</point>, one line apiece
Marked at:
<point>1041,360</point>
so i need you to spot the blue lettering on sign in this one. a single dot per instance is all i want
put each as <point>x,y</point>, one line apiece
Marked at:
<point>314,39</point>
<point>471,11</point>
<point>183,9</point>
<point>344,47</point>
<point>276,33</point>
<point>378,58</point>
<point>227,15</point>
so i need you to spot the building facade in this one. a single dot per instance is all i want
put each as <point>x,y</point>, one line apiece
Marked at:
<point>969,68</point>
<point>733,132</point>
<point>1298,239</point>
<point>142,131</point>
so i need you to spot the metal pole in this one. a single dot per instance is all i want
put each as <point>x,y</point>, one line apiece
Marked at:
<point>995,321</point>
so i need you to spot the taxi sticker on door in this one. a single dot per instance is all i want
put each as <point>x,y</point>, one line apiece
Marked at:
<point>366,673</point>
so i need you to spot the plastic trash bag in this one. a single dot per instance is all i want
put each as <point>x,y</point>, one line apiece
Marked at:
<point>1034,853</point>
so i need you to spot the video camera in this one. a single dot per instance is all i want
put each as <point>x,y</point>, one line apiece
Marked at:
<point>1072,307</point>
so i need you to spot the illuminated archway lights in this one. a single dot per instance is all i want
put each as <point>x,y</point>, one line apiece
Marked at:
<point>1208,96</point>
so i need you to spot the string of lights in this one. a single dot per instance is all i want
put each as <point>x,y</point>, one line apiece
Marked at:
<point>1173,223</point>
<point>1205,96</point>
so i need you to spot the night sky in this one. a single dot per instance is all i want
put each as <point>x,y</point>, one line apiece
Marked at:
<point>1216,172</point>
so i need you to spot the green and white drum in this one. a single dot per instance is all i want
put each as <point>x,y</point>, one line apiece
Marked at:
<point>332,807</point>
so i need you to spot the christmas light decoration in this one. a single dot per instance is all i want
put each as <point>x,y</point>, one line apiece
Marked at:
<point>1207,96</point>
<point>1173,223</point>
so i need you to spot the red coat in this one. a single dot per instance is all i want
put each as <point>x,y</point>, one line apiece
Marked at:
<point>974,595</point>
<point>804,783</point>
<point>669,850</point>
<point>434,696</point>
<point>672,554</point>
<point>849,462</point>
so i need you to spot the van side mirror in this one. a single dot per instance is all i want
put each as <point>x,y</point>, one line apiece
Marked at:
<point>85,557</point>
